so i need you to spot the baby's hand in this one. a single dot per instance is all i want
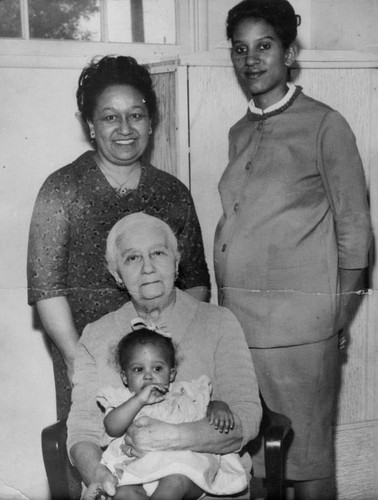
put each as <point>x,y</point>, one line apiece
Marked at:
<point>220,416</point>
<point>152,393</point>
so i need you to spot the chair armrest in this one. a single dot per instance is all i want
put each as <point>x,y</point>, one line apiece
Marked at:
<point>56,459</point>
<point>274,428</point>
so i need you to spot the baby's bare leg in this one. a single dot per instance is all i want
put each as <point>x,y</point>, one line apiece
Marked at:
<point>176,487</point>
<point>131,492</point>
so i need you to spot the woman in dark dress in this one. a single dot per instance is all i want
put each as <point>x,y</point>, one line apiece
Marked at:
<point>78,204</point>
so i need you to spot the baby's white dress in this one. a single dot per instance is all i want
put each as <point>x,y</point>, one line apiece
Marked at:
<point>184,402</point>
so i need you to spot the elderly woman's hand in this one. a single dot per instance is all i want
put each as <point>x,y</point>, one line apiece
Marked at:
<point>148,434</point>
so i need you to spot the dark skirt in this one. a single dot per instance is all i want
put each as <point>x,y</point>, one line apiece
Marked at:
<point>302,383</point>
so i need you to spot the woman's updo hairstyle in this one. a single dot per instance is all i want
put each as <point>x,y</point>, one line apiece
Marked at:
<point>278,13</point>
<point>113,70</point>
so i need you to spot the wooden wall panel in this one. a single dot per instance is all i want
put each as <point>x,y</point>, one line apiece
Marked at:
<point>357,376</point>
<point>162,151</point>
<point>216,102</point>
<point>356,461</point>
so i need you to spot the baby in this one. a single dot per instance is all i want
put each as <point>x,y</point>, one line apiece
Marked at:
<point>147,365</point>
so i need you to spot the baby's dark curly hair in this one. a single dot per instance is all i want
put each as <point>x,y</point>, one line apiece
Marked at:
<point>278,13</point>
<point>143,336</point>
<point>113,70</point>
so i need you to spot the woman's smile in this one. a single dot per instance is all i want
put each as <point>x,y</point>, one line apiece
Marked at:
<point>253,75</point>
<point>124,142</point>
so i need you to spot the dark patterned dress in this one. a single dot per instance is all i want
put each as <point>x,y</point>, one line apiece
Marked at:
<point>75,209</point>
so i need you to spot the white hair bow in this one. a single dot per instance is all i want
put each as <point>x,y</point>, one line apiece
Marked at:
<point>138,323</point>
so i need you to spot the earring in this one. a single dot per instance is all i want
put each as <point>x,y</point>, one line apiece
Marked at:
<point>92,134</point>
<point>176,274</point>
<point>150,131</point>
<point>121,285</point>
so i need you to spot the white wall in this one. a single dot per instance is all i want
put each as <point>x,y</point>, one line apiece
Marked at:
<point>38,133</point>
<point>345,24</point>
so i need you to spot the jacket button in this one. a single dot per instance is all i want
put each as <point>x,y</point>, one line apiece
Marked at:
<point>224,246</point>
<point>236,207</point>
<point>248,165</point>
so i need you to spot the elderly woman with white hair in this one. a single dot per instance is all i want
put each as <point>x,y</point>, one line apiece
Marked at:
<point>142,255</point>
